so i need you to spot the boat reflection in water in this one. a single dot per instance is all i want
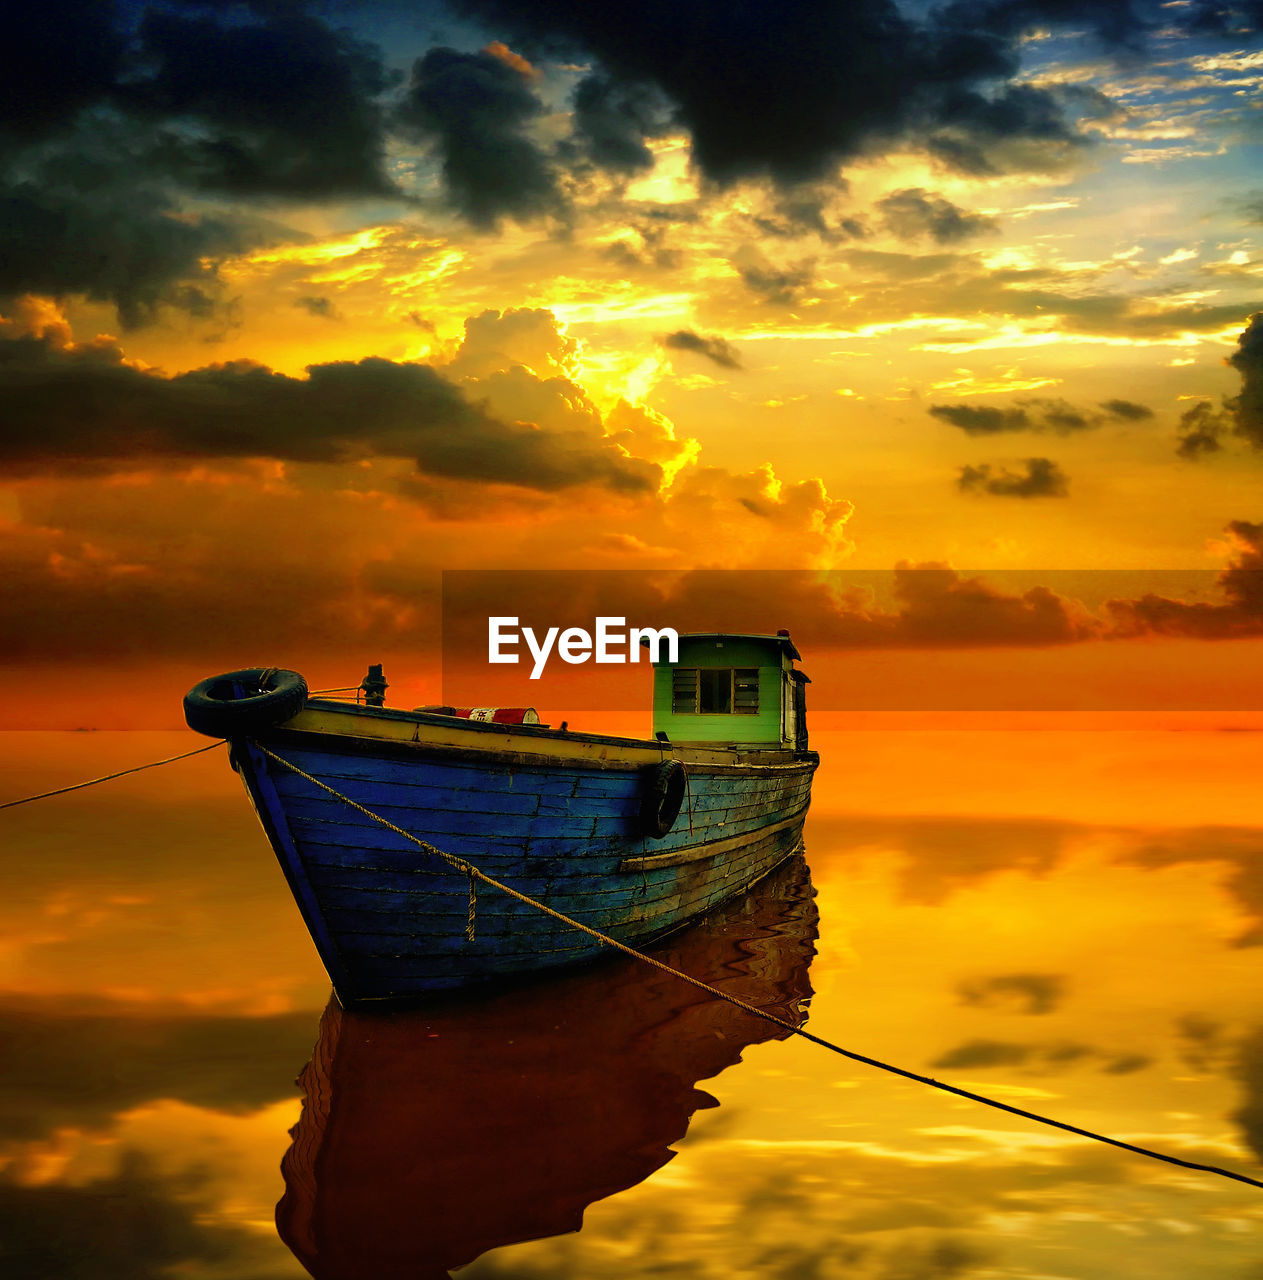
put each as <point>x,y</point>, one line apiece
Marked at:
<point>430,1136</point>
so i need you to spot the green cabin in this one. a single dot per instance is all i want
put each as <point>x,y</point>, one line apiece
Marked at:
<point>732,689</point>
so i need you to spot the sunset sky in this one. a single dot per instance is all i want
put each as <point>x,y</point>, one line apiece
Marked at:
<point>305,303</point>
<point>940,322</point>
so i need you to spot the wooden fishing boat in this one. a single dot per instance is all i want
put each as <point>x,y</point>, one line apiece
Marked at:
<point>633,837</point>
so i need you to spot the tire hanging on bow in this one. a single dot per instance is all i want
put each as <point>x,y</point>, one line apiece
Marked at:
<point>662,794</point>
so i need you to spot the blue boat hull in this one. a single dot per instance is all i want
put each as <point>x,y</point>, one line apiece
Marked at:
<point>390,921</point>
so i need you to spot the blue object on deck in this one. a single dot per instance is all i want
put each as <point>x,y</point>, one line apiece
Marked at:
<point>632,837</point>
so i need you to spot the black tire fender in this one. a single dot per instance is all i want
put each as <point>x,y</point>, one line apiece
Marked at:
<point>240,703</point>
<point>662,789</point>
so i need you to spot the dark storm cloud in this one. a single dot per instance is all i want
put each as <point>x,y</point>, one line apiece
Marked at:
<point>652,226</point>
<point>110,124</point>
<point>115,243</point>
<point>247,100</point>
<point>56,59</point>
<point>1192,318</point>
<point>1127,410</point>
<point>1240,615</point>
<point>1201,430</point>
<point>319,306</point>
<point>938,608</point>
<point>1057,415</point>
<point>238,596</point>
<point>614,121</point>
<point>1115,23</point>
<point>716,349</point>
<point>1035,414</point>
<point>981,420</point>
<point>1204,427</point>
<point>474,109</point>
<point>794,89</point>
<point>271,101</point>
<point>782,285</point>
<point>801,209</point>
<point>1042,478</point>
<point>86,404</point>
<point>973,128</point>
<point>1001,293</point>
<point>1031,993</point>
<point>1234,20</point>
<point>281,106</point>
<point>1247,360</point>
<point>652,254</point>
<point>779,89</point>
<point>916,212</point>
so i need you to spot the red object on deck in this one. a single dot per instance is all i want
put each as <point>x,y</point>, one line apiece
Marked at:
<point>498,715</point>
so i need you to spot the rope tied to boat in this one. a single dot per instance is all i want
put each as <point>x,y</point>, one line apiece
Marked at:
<point>477,874</point>
<point>109,777</point>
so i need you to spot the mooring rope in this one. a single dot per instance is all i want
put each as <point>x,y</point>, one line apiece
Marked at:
<point>109,777</point>
<point>474,873</point>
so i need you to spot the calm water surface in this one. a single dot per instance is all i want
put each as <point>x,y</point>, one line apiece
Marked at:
<point>1068,921</point>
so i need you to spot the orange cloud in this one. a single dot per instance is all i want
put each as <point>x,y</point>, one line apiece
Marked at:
<point>498,49</point>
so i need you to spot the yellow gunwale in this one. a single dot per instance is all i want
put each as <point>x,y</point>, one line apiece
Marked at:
<point>359,729</point>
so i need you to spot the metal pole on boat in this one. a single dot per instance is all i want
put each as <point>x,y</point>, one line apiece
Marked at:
<point>374,686</point>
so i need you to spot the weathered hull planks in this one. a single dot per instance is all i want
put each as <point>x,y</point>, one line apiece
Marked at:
<point>390,920</point>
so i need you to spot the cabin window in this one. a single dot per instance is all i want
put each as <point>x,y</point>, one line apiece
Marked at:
<point>745,691</point>
<point>715,691</point>
<point>683,690</point>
